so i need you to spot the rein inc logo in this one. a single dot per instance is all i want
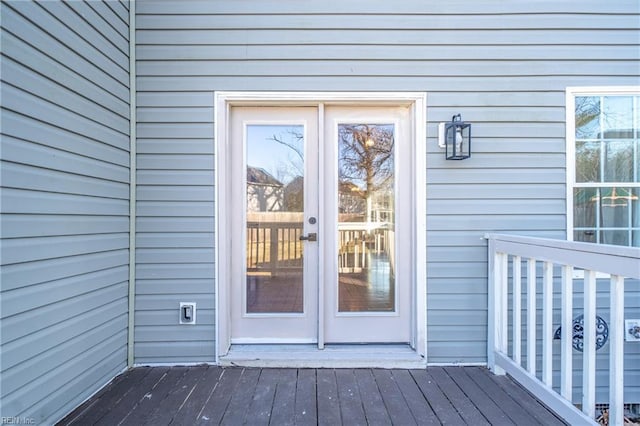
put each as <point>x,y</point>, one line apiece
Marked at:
<point>17,420</point>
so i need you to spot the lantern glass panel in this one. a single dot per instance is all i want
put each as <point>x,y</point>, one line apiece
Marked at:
<point>458,141</point>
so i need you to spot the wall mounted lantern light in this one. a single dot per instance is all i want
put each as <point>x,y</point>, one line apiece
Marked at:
<point>455,138</point>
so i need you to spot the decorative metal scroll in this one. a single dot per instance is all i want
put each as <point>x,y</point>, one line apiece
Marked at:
<point>602,332</point>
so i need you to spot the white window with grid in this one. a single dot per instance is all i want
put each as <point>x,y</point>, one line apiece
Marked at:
<point>603,165</point>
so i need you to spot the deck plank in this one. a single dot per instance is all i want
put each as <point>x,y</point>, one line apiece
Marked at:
<point>416,401</point>
<point>535,408</point>
<point>133,397</point>
<point>237,408</point>
<point>328,404</point>
<point>442,407</point>
<point>189,411</point>
<point>284,402</point>
<point>259,412</point>
<point>236,396</point>
<point>167,408</point>
<point>492,412</point>
<point>306,407</point>
<point>109,399</point>
<point>511,408</point>
<point>150,401</point>
<point>351,409</point>
<point>76,415</point>
<point>460,401</point>
<point>214,408</point>
<point>372,402</point>
<point>394,401</point>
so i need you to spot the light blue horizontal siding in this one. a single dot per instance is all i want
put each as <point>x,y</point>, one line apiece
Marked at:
<point>56,69</point>
<point>366,68</point>
<point>455,85</point>
<point>30,21</point>
<point>391,21</point>
<point>65,204</point>
<point>451,8</point>
<point>466,39</point>
<point>175,225</point>
<point>505,67</point>
<point>64,139</point>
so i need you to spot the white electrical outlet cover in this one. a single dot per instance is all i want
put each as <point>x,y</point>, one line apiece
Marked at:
<point>632,330</point>
<point>193,313</point>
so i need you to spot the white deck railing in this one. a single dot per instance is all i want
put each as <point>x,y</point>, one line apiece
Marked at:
<point>616,262</point>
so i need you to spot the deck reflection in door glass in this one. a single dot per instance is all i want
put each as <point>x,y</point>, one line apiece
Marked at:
<point>366,223</point>
<point>274,253</point>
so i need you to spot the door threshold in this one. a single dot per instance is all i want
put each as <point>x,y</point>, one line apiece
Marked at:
<point>332,356</point>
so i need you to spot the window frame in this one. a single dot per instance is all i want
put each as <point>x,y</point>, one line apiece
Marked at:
<point>570,139</point>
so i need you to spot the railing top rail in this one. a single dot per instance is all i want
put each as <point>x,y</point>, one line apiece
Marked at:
<point>276,224</point>
<point>615,260</point>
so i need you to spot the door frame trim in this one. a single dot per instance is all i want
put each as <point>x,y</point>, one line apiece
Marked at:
<point>224,100</point>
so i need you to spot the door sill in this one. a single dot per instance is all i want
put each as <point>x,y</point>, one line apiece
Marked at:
<point>332,356</point>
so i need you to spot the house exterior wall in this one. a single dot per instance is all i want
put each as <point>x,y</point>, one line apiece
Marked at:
<point>65,203</point>
<point>503,66</point>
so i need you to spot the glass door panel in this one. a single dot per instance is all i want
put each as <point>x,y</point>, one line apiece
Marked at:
<point>366,218</point>
<point>274,212</point>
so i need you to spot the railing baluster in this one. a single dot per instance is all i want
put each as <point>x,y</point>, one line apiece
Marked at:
<point>547,324</point>
<point>264,245</point>
<point>531,316</point>
<point>273,250</point>
<point>589,350</point>
<point>566,339</point>
<point>504,302</point>
<point>286,244</point>
<point>493,326</point>
<point>616,351</point>
<point>255,238</point>
<point>516,264</point>
<point>356,257</point>
<point>502,338</point>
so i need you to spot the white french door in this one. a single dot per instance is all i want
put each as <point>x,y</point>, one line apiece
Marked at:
<point>367,224</point>
<point>321,224</point>
<point>274,202</point>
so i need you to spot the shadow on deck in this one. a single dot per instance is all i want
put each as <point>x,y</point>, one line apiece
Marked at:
<point>235,395</point>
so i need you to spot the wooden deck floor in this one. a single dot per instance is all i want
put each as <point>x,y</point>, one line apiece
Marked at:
<point>254,396</point>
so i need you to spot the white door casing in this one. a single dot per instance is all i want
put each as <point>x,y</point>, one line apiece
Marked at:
<point>321,319</point>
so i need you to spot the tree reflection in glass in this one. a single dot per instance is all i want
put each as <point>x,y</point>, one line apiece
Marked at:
<point>366,217</point>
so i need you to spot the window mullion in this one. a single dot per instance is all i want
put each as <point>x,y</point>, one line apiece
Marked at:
<point>601,139</point>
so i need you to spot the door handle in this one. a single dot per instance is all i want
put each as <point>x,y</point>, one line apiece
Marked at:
<point>311,237</point>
